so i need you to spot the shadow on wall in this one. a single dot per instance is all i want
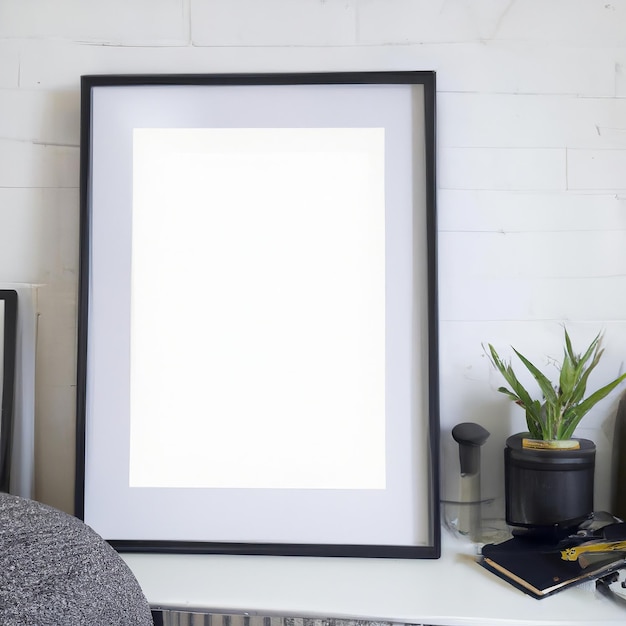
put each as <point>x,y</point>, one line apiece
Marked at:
<point>57,160</point>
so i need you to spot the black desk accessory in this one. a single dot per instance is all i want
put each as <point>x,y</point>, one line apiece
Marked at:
<point>470,438</point>
<point>543,562</point>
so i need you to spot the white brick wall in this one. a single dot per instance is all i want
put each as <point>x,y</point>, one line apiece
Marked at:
<point>532,164</point>
<point>274,23</point>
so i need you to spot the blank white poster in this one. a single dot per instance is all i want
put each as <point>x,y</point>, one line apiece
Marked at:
<point>277,236</point>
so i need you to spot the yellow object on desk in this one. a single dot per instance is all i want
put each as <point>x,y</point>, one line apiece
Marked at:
<point>550,444</point>
<point>572,554</point>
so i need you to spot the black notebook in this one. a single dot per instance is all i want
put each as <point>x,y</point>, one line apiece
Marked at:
<point>534,565</point>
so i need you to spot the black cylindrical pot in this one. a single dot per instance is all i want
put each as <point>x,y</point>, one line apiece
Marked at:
<point>548,487</point>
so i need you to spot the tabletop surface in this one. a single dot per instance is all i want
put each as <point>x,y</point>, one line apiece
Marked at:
<point>451,591</point>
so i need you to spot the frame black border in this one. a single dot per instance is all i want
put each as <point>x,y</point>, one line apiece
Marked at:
<point>425,78</point>
<point>9,296</point>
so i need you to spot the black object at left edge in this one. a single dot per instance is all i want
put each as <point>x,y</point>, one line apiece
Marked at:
<point>9,297</point>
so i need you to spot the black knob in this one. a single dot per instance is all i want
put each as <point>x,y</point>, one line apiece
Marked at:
<point>470,437</point>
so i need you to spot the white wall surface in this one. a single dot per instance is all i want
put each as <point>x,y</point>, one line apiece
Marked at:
<point>531,170</point>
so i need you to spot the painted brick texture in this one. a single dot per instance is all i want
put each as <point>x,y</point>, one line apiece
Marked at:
<point>532,163</point>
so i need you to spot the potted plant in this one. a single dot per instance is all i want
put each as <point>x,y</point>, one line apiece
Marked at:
<point>549,473</point>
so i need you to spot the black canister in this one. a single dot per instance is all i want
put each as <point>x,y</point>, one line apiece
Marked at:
<point>548,487</point>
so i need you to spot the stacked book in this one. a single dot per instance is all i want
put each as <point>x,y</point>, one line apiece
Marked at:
<point>541,563</point>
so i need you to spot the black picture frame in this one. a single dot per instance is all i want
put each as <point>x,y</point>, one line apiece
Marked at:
<point>103,491</point>
<point>8,302</point>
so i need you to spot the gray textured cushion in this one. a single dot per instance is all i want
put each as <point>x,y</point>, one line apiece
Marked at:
<point>56,570</point>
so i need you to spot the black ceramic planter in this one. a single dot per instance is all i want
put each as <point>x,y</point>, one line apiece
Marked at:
<point>548,488</point>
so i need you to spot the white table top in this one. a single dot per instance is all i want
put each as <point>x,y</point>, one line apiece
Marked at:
<point>451,591</point>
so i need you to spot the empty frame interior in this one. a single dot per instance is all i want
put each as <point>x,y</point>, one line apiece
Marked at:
<point>257,349</point>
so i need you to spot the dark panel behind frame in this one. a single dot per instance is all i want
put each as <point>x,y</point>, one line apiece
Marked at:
<point>9,301</point>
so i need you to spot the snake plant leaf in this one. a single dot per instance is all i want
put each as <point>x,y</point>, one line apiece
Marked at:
<point>554,419</point>
<point>567,378</point>
<point>593,347</point>
<point>534,420</point>
<point>523,397</point>
<point>519,395</point>
<point>583,377</point>
<point>572,417</point>
<point>544,384</point>
<point>509,393</point>
<point>568,347</point>
<point>563,405</point>
<point>579,362</point>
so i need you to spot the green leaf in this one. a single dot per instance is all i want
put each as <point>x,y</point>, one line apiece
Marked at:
<point>593,346</point>
<point>523,397</point>
<point>509,393</point>
<point>573,416</point>
<point>568,346</point>
<point>571,419</point>
<point>567,378</point>
<point>544,384</point>
<point>582,376</point>
<point>563,407</point>
<point>534,420</point>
